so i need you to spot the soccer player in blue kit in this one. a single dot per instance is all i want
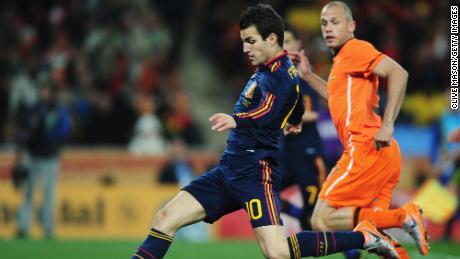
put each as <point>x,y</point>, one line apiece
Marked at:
<point>302,162</point>
<point>302,154</point>
<point>248,174</point>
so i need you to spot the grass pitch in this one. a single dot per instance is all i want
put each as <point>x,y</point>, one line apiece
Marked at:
<point>113,249</point>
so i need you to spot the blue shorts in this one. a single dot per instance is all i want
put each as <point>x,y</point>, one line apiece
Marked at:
<point>308,172</point>
<point>236,183</point>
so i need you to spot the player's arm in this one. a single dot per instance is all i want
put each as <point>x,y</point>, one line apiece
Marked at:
<point>267,110</point>
<point>310,114</point>
<point>298,110</point>
<point>221,122</point>
<point>397,81</point>
<point>305,72</point>
<point>294,122</point>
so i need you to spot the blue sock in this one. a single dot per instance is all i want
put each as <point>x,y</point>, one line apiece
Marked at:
<point>155,246</point>
<point>317,243</point>
<point>352,254</point>
<point>291,209</point>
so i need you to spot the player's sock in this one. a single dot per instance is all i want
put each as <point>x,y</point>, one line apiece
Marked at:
<point>291,209</point>
<point>317,243</point>
<point>154,247</point>
<point>382,219</point>
<point>352,254</point>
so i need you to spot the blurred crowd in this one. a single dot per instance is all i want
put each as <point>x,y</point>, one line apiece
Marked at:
<point>116,63</point>
<point>112,63</point>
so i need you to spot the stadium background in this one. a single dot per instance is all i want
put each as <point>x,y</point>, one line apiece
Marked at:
<point>114,61</point>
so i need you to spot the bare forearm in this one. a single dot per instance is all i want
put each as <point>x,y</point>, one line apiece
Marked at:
<point>397,82</point>
<point>305,72</point>
<point>309,116</point>
<point>317,83</point>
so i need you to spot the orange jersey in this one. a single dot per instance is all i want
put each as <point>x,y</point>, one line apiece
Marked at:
<point>364,176</point>
<point>352,92</point>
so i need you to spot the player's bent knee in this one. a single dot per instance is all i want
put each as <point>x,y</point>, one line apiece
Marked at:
<point>320,223</point>
<point>320,226</point>
<point>316,223</point>
<point>164,221</point>
<point>340,219</point>
<point>330,225</point>
<point>317,217</point>
<point>328,219</point>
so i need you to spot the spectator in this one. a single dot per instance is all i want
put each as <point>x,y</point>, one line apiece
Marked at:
<point>147,138</point>
<point>179,122</point>
<point>177,170</point>
<point>42,131</point>
<point>450,159</point>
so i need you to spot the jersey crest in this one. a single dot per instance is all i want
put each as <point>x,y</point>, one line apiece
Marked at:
<point>250,91</point>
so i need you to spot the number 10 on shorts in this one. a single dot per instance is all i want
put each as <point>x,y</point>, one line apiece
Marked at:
<point>254,209</point>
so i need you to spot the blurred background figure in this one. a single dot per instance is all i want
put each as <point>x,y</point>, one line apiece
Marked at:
<point>42,130</point>
<point>179,121</point>
<point>454,136</point>
<point>449,166</point>
<point>147,137</point>
<point>179,171</point>
<point>302,154</point>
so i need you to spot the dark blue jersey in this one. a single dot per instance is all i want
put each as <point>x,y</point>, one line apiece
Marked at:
<point>308,140</point>
<point>271,98</point>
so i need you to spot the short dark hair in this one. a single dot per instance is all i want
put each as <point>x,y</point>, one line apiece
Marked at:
<point>265,19</point>
<point>289,28</point>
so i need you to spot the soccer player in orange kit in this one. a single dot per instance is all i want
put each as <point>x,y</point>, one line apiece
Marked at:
<point>360,186</point>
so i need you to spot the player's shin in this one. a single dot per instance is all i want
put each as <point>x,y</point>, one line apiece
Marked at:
<point>155,245</point>
<point>383,219</point>
<point>317,243</point>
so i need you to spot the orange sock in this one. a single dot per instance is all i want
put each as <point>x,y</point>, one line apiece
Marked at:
<point>381,218</point>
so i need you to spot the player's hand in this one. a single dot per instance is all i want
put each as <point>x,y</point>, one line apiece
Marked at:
<point>290,129</point>
<point>384,136</point>
<point>301,62</point>
<point>454,136</point>
<point>221,122</point>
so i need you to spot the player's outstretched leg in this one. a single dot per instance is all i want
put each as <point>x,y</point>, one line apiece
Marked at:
<point>154,246</point>
<point>402,253</point>
<point>376,242</point>
<point>408,217</point>
<point>365,237</point>
<point>413,225</point>
<point>182,210</point>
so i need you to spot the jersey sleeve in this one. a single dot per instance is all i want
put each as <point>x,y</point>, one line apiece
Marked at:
<point>362,57</point>
<point>266,111</point>
<point>299,108</point>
